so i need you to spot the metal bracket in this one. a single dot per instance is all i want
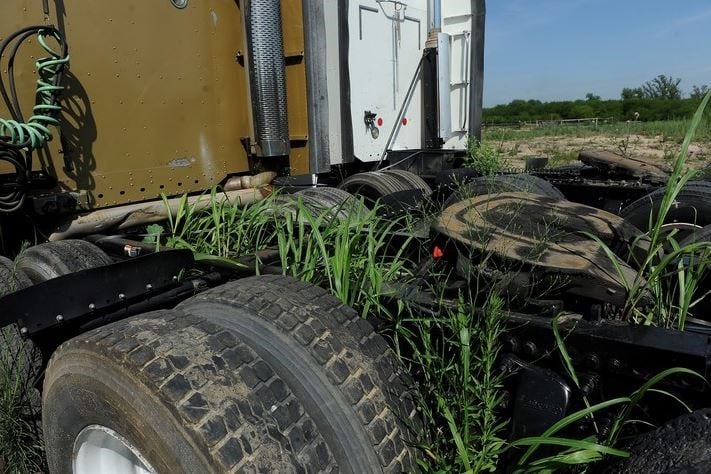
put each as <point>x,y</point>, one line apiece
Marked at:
<point>96,291</point>
<point>369,120</point>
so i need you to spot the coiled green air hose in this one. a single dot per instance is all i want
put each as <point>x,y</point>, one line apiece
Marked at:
<point>19,138</point>
<point>35,133</point>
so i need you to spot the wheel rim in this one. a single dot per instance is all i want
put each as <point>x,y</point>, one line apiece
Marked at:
<point>98,449</point>
<point>684,229</point>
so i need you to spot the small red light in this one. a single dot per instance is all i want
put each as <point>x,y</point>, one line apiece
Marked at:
<point>437,252</point>
<point>404,121</point>
<point>380,121</point>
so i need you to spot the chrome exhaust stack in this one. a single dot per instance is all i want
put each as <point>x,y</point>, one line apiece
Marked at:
<point>265,45</point>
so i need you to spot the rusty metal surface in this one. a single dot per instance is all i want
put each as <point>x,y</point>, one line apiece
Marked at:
<point>546,233</point>
<point>133,215</point>
<point>293,25</point>
<point>632,167</point>
<point>156,101</point>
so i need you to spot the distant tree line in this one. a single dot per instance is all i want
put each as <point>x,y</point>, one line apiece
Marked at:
<point>658,99</point>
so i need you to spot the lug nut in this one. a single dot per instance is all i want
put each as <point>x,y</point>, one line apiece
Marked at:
<point>59,318</point>
<point>592,361</point>
<point>122,296</point>
<point>92,307</point>
<point>530,348</point>
<point>512,344</point>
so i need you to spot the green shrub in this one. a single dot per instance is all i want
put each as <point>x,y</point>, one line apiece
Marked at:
<point>483,158</point>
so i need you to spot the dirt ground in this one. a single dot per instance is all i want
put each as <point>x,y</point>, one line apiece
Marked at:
<point>564,149</point>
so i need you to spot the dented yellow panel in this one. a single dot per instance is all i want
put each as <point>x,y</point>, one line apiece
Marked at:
<point>156,101</point>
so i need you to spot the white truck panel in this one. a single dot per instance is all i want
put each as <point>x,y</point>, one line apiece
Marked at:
<point>457,23</point>
<point>386,41</point>
<point>444,86</point>
<point>385,47</point>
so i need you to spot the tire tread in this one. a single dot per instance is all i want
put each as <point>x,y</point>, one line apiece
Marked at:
<point>375,385</point>
<point>221,392</point>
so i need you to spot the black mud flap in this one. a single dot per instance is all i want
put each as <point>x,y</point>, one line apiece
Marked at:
<point>95,293</point>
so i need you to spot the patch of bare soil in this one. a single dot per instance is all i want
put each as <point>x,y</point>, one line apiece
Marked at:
<point>564,149</point>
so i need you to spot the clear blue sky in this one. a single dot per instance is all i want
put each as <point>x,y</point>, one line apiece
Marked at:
<point>563,49</point>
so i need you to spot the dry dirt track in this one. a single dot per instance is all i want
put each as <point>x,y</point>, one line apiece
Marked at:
<point>563,149</point>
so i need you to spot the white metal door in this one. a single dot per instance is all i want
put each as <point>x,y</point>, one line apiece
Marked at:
<point>457,23</point>
<point>385,45</point>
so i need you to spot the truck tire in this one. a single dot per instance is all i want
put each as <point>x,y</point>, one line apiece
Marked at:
<point>11,277</point>
<point>533,184</point>
<point>681,445</point>
<point>700,235</point>
<point>411,180</point>
<point>19,357</point>
<point>691,209</point>
<point>337,201</point>
<point>703,308</point>
<point>53,259</point>
<point>343,372</point>
<point>504,184</point>
<point>373,185</point>
<point>177,393</point>
<point>188,393</point>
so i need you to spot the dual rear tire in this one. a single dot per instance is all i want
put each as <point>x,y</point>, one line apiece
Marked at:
<point>689,213</point>
<point>264,373</point>
<point>54,259</point>
<point>374,185</point>
<point>20,358</point>
<point>514,183</point>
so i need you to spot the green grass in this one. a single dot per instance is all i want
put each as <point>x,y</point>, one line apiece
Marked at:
<point>669,276</point>
<point>354,257</point>
<point>21,448</point>
<point>224,230</point>
<point>669,130</point>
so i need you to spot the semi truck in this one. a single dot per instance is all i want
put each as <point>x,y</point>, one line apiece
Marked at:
<point>154,362</point>
<point>106,107</point>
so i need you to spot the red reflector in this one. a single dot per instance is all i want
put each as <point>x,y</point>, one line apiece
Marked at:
<point>404,120</point>
<point>437,252</point>
<point>380,121</point>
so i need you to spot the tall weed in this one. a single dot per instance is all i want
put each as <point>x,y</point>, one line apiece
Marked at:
<point>669,275</point>
<point>454,350</point>
<point>354,257</point>
<point>224,229</point>
<point>21,449</point>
